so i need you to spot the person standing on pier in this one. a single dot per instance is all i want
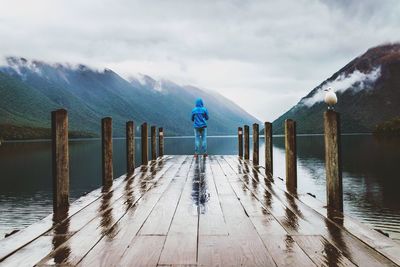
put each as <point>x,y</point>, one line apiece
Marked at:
<point>199,118</point>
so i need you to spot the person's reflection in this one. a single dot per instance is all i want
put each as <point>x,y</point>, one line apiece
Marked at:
<point>61,222</point>
<point>200,195</point>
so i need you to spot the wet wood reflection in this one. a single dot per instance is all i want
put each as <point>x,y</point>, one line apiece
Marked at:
<point>215,211</point>
<point>60,235</point>
<point>106,213</point>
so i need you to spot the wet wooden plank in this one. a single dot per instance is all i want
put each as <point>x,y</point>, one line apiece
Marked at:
<point>216,212</point>
<point>280,245</point>
<point>283,248</point>
<point>355,250</point>
<point>211,221</point>
<point>110,249</point>
<point>144,251</point>
<point>159,221</point>
<point>290,218</point>
<point>85,203</point>
<point>11,244</point>
<point>102,225</point>
<point>225,251</point>
<point>386,246</point>
<point>73,223</point>
<point>243,237</point>
<point>181,244</point>
<point>322,252</point>
<point>26,256</point>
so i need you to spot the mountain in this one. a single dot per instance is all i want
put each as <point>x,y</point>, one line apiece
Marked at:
<point>31,89</point>
<point>368,90</point>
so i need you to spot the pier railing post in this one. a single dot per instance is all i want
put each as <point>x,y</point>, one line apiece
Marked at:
<point>334,186</point>
<point>130,147</point>
<point>240,141</point>
<point>153,132</point>
<point>60,159</point>
<point>268,147</point>
<point>256,144</point>
<point>107,151</point>
<point>291,157</point>
<point>160,142</point>
<point>144,147</point>
<point>246,142</point>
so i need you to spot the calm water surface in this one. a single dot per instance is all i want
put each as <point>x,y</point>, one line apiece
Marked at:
<point>371,179</point>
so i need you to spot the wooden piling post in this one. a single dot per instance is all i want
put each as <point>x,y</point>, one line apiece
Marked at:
<point>153,134</point>
<point>240,141</point>
<point>256,144</point>
<point>107,151</point>
<point>160,142</point>
<point>130,147</point>
<point>334,186</point>
<point>144,148</point>
<point>268,147</point>
<point>291,157</point>
<point>60,159</point>
<point>246,142</point>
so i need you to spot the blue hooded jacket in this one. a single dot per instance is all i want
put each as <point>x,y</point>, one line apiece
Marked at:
<point>199,115</point>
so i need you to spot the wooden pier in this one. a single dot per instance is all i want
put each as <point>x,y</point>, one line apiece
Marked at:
<point>206,211</point>
<point>214,211</point>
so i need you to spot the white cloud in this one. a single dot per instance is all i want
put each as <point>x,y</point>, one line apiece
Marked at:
<point>355,82</point>
<point>265,55</point>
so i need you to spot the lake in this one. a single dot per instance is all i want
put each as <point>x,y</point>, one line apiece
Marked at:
<point>371,174</point>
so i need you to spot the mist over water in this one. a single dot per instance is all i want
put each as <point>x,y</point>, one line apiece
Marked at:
<point>370,174</point>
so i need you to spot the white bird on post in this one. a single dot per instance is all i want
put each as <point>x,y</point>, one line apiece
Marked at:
<point>330,98</point>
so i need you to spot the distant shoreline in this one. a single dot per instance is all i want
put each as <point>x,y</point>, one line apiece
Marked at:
<point>169,137</point>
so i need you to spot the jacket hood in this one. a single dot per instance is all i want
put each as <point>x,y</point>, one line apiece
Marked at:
<point>199,103</point>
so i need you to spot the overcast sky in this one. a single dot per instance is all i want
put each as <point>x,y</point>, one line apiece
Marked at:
<point>264,55</point>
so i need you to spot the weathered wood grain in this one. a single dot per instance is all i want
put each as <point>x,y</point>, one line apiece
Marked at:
<point>160,142</point>
<point>211,221</point>
<point>300,219</point>
<point>102,225</point>
<point>321,252</point>
<point>60,159</point>
<point>246,142</point>
<point>144,144</point>
<point>334,184</point>
<point>107,151</point>
<point>181,211</point>
<point>181,244</point>
<point>240,142</point>
<point>109,251</point>
<point>256,144</point>
<point>153,134</point>
<point>268,148</point>
<point>291,155</point>
<point>130,147</point>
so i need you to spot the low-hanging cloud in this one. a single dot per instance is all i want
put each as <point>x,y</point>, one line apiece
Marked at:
<point>355,82</point>
<point>264,55</point>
